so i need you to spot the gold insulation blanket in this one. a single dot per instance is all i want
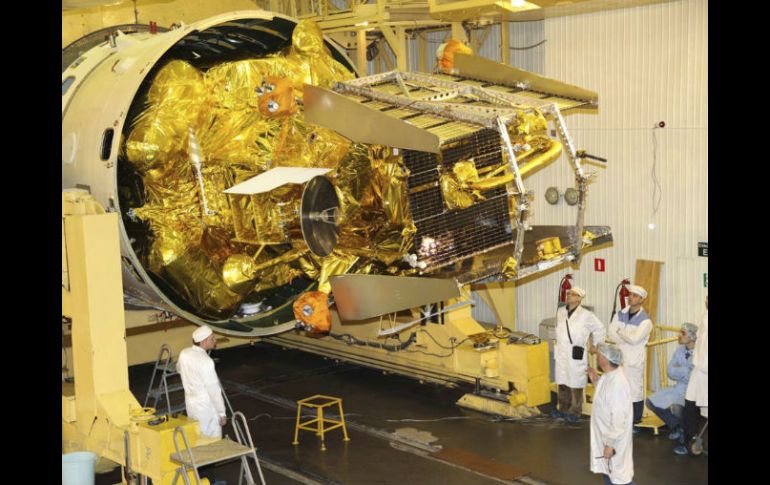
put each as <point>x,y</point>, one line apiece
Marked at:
<point>197,254</point>
<point>247,244</point>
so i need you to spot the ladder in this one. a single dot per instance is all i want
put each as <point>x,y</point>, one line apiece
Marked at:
<point>190,459</point>
<point>164,370</point>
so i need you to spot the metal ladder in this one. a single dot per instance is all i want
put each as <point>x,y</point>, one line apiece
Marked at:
<point>164,365</point>
<point>190,459</point>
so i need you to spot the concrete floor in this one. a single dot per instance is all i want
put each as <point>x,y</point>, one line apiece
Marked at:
<point>552,452</point>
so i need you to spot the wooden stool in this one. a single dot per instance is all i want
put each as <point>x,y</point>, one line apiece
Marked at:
<point>319,402</point>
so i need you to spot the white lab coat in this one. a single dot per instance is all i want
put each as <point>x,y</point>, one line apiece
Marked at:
<point>698,388</point>
<point>632,339</point>
<point>202,390</point>
<point>612,418</point>
<point>582,324</point>
<point>679,369</point>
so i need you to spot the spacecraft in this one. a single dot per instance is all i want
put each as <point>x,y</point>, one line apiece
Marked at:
<point>250,165</point>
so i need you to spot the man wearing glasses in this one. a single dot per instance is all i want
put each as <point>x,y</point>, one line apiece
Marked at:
<point>630,329</point>
<point>611,419</point>
<point>574,326</point>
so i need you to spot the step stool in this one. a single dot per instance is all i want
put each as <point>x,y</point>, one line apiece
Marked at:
<point>319,402</point>
<point>190,459</point>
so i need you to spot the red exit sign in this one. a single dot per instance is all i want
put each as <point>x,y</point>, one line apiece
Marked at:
<point>599,265</point>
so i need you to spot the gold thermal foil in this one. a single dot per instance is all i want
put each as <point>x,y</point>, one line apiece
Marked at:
<point>323,268</point>
<point>309,50</point>
<point>238,273</point>
<point>213,249</point>
<point>389,183</point>
<point>159,133</point>
<point>455,185</point>
<point>510,267</point>
<point>307,39</point>
<point>527,125</point>
<point>195,244</point>
<point>177,81</point>
<point>299,144</point>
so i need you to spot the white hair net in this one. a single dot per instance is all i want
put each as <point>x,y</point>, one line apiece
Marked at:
<point>610,352</point>
<point>691,329</point>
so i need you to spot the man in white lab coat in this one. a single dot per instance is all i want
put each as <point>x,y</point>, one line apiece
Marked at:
<point>202,390</point>
<point>574,325</point>
<point>630,330</point>
<point>678,370</point>
<point>611,419</point>
<point>698,388</point>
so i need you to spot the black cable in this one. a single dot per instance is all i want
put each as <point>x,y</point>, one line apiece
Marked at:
<point>529,47</point>
<point>432,338</point>
<point>451,352</point>
<point>351,340</point>
<point>657,189</point>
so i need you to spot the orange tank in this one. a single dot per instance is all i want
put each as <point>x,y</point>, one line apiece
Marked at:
<point>446,53</point>
<point>277,98</point>
<point>312,309</point>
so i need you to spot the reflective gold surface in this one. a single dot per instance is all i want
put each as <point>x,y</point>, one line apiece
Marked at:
<point>215,250</point>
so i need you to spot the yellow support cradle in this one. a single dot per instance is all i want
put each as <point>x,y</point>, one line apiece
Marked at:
<point>319,402</point>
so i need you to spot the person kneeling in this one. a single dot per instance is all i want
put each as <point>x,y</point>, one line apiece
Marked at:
<point>679,368</point>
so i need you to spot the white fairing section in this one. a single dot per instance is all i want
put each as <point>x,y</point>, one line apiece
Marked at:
<point>106,81</point>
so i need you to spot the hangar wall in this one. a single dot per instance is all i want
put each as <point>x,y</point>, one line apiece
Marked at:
<point>648,64</point>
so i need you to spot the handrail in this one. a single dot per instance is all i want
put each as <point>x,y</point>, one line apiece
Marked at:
<point>180,429</point>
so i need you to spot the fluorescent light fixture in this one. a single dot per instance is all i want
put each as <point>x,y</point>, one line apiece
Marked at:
<point>362,24</point>
<point>518,3</point>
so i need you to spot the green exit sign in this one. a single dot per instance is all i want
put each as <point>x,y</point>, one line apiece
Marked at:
<point>703,249</point>
<point>705,280</point>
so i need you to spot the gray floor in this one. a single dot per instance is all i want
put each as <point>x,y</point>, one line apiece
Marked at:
<point>551,451</point>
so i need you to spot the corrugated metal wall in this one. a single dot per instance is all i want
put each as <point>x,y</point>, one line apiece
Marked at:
<point>648,64</point>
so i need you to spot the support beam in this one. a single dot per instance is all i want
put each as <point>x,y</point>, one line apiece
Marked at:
<point>482,39</point>
<point>422,49</point>
<point>361,53</point>
<point>397,41</point>
<point>458,32</point>
<point>474,43</point>
<point>392,40</point>
<point>402,58</point>
<point>505,42</point>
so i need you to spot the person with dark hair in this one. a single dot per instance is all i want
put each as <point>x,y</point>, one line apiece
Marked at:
<point>630,330</point>
<point>574,326</point>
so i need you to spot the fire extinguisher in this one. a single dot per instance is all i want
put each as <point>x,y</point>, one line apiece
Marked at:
<point>564,286</point>
<point>621,294</point>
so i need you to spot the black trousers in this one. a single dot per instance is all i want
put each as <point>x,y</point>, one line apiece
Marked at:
<point>690,421</point>
<point>638,410</point>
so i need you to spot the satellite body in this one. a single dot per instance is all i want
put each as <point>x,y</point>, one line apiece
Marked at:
<point>250,166</point>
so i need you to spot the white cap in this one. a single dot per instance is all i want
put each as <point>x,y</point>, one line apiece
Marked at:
<point>201,333</point>
<point>578,291</point>
<point>637,290</point>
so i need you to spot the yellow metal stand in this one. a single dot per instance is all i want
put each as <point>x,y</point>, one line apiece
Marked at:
<point>99,412</point>
<point>319,402</point>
